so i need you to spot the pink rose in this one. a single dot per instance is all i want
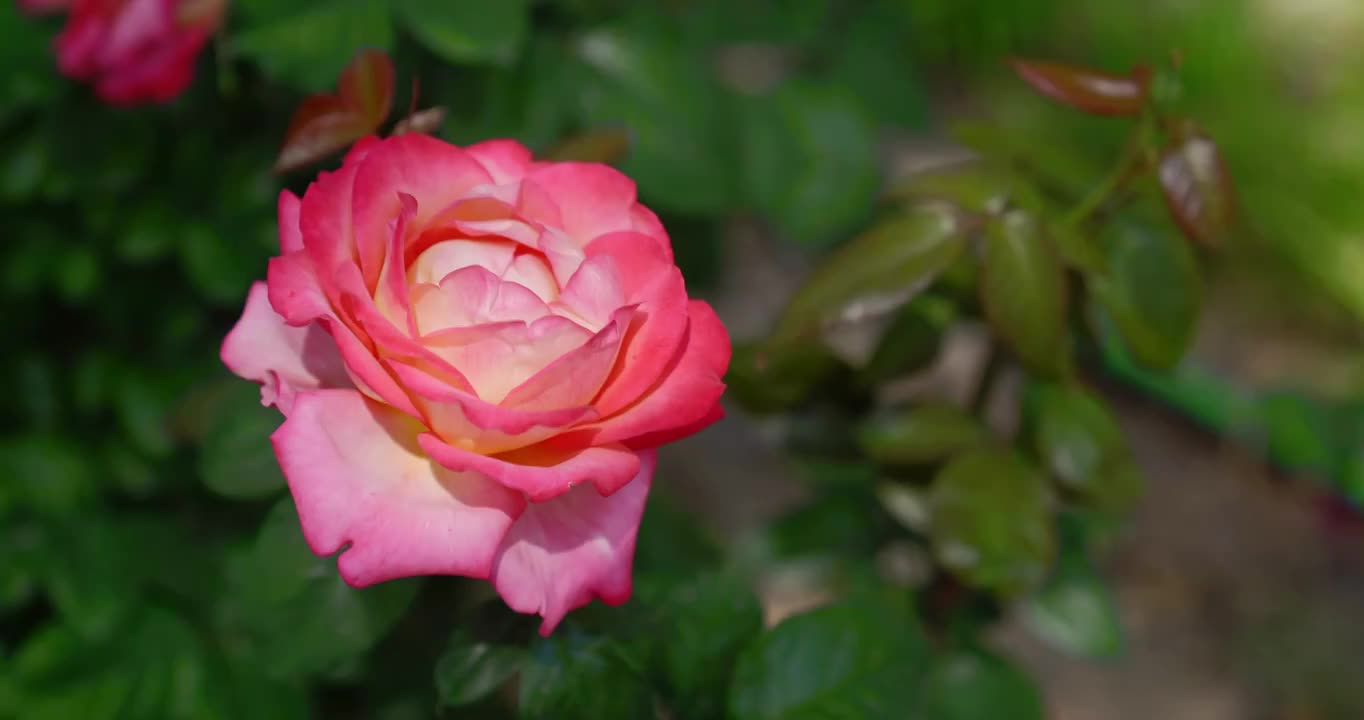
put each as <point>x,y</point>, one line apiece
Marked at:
<point>476,355</point>
<point>132,50</point>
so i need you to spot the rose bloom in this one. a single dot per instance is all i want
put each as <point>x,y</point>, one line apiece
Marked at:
<point>132,50</point>
<point>476,356</point>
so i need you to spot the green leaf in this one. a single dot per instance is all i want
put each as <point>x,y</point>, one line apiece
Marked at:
<point>1118,486</point>
<point>1080,442</point>
<point>704,621</point>
<point>925,434</point>
<point>1076,435</point>
<point>24,558</point>
<point>155,668</point>
<point>1299,432</point>
<point>830,474</point>
<point>92,574</point>
<point>906,503</point>
<point>644,77</point>
<point>674,539</point>
<point>877,271</point>
<point>911,342</point>
<point>470,669</point>
<point>309,46</point>
<point>1023,291</point>
<point>78,274</point>
<point>774,22</point>
<point>1152,291</point>
<point>975,684</point>
<point>991,520</point>
<point>572,675</point>
<point>217,266</point>
<point>1075,610</point>
<point>35,391</point>
<point>809,160</point>
<point>851,660</point>
<point>46,474</point>
<point>25,165</point>
<point>837,523</point>
<point>875,60</point>
<point>237,460</point>
<point>468,31</point>
<point>148,234</point>
<point>292,611</point>
<point>32,258</point>
<point>142,405</point>
<point>28,75</point>
<point>777,376</point>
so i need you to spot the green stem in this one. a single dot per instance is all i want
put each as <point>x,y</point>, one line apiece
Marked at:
<point>1117,176</point>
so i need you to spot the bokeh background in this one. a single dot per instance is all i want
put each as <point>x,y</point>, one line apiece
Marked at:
<point>134,475</point>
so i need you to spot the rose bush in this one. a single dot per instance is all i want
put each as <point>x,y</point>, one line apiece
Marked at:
<point>132,50</point>
<point>476,355</point>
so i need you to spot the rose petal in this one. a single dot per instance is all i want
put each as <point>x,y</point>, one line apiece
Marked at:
<point>562,553</point>
<point>594,292</point>
<point>593,199</point>
<point>542,472</point>
<point>530,271</point>
<point>325,221</point>
<point>388,340</point>
<point>296,296</point>
<point>505,160</point>
<point>473,296</point>
<point>359,479</point>
<point>361,148</point>
<point>391,296</point>
<point>644,221</point>
<point>433,172</point>
<point>460,219</point>
<point>132,26</point>
<point>660,328</point>
<point>158,75</point>
<point>576,376</point>
<point>561,252</point>
<point>499,356</point>
<point>686,401</point>
<point>295,290</point>
<point>447,256</point>
<point>510,228</point>
<point>680,432</point>
<point>464,420</point>
<point>284,359</point>
<point>290,236</point>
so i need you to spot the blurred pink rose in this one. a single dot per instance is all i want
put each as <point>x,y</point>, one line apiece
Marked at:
<point>132,50</point>
<point>476,355</point>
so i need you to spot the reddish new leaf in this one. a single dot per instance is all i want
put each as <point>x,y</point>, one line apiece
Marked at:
<point>324,124</point>
<point>366,85</point>
<point>320,126</point>
<point>1196,185</point>
<point>422,121</point>
<point>1092,91</point>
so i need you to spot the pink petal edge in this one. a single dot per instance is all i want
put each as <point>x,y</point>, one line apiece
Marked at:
<point>561,554</point>
<point>282,358</point>
<point>360,482</point>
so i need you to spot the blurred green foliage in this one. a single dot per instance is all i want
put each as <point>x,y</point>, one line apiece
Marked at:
<point>151,565</point>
